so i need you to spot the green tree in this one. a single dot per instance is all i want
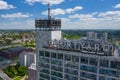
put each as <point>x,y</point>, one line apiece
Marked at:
<point>10,74</point>
<point>22,70</point>
<point>8,41</point>
<point>13,70</point>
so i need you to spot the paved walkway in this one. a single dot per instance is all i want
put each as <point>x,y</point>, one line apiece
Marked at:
<point>4,76</point>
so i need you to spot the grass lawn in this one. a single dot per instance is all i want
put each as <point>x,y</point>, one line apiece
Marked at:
<point>17,78</point>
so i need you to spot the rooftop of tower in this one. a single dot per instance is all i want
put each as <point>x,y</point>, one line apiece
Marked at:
<point>49,23</point>
<point>89,46</point>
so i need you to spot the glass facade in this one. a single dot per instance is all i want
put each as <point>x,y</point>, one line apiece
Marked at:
<point>61,66</point>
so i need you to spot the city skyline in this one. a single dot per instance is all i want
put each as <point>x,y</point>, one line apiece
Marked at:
<point>75,14</point>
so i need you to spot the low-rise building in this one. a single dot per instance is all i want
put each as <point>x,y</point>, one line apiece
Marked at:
<point>27,58</point>
<point>13,52</point>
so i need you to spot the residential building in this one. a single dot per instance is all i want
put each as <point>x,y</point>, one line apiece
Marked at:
<point>105,36</point>
<point>27,58</point>
<point>91,35</point>
<point>13,52</point>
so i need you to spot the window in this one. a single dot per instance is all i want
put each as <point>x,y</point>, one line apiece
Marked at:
<point>47,54</point>
<point>88,75</point>
<point>115,64</point>
<point>71,71</point>
<point>68,57</point>
<point>111,79</point>
<point>57,68</point>
<point>44,65</point>
<point>101,78</point>
<point>53,55</point>
<point>84,60</point>
<point>45,76</point>
<point>57,74</point>
<point>60,56</point>
<point>56,62</point>
<point>104,63</point>
<point>55,78</point>
<point>43,59</point>
<point>71,65</point>
<point>45,71</point>
<point>82,79</point>
<point>67,77</point>
<point>74,78</point>
<point>75,59</point>
<point>41,79</point>
<point>109,72</point>
<point>88,68</point>
<point>41,53</point>
<point>93,61</point>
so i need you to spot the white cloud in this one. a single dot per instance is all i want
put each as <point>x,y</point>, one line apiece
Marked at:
<point>82,16</point>
<point>106,20</point>
<point>117,6</point>
<point>45,1</point>
<point>110,15</point>
<point>65,20</point>
<point>54,12</point>
<point>5,5</point>
<point>27,24</point>
<point>92,24</point>
<point>72,10</point>
<point>16,15</point>
<point>59,11</point>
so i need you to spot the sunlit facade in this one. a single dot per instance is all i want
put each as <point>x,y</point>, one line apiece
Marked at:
<point>59,59</point>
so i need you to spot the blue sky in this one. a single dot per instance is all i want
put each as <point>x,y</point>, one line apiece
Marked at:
<point>75,14</point>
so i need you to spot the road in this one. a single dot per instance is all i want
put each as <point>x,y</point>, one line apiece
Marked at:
<point>4,76</point>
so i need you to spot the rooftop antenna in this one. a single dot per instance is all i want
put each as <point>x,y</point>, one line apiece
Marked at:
<point>49,17</point>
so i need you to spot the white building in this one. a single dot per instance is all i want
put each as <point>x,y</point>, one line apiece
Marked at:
<point>27,58</point>
<point>32,73</point>
<point>91,35</point>
<point>105,36</point>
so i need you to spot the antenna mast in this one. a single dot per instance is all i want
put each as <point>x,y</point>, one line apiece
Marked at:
<point>49,17</point>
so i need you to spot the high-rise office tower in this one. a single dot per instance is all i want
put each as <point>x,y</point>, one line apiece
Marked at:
<point>47,30</point>
<point>85,59</point>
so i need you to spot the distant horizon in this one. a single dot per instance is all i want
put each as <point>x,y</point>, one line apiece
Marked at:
<point>62,29</point>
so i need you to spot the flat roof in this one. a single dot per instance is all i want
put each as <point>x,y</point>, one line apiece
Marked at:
<point>14,49</point>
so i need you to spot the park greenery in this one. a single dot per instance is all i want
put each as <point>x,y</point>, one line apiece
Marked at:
<point>16,71</point>
<point>29,43</point>
<point>71,36</point>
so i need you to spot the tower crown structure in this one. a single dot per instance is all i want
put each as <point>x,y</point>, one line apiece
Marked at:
<point>47,29</point>
<point>48,24</point>
<point>49,16</point>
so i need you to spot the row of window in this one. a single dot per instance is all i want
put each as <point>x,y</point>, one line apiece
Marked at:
<point>44,73</point>
<point>75,72</point>
<point>69,77</point>
<point>109,72</point>
<point>88,68</point>
<point>105,78</point>
<point>88,75</point>
<point>84,60</point>
<point>59,56</point>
